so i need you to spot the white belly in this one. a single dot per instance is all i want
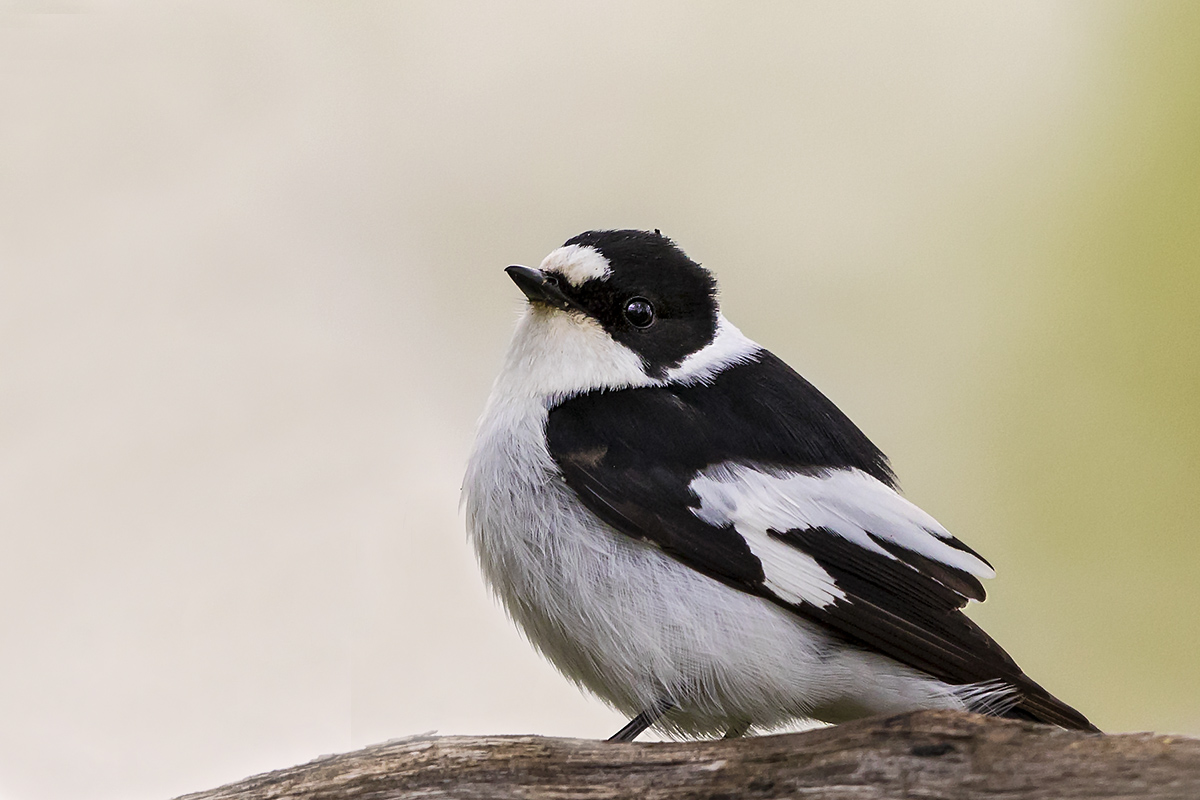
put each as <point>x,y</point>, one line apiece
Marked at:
<point>635,626</point>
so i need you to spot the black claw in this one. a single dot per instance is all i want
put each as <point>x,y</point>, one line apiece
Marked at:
<point>737,730</point>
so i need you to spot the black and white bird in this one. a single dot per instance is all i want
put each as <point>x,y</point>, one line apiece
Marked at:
<point>686,527</point>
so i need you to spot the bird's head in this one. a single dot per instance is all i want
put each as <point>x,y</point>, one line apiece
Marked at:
<point>614,309</point>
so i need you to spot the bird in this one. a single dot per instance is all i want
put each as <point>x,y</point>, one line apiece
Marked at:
<point>691,531</point>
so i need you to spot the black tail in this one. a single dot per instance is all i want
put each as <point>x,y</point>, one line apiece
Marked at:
<point>1038,705</point>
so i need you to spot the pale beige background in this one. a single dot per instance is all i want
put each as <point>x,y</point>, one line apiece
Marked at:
<point>251,303</point>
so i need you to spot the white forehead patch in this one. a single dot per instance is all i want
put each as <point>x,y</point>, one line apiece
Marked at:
<point>577,263</point>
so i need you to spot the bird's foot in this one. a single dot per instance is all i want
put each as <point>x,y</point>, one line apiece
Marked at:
<point>642,721</point>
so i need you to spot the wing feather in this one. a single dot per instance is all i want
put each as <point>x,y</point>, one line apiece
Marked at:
<point>758,481</point>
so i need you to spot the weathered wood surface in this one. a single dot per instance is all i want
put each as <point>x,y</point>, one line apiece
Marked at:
<point>929,755</point>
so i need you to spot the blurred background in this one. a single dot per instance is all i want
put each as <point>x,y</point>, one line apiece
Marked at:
<point>251,304</point>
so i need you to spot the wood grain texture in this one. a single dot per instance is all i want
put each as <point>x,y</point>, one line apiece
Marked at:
<point>929,755</point>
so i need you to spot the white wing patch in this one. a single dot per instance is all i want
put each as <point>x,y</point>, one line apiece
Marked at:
<point>792,574</point>
<point>847,502</point>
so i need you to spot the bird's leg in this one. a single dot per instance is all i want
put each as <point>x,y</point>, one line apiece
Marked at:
<point>642,721</point>
<point>737,730</point>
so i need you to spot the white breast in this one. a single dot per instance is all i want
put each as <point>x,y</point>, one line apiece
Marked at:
<point>633,625</point>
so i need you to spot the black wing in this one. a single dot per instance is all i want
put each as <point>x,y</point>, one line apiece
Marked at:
<point>671,465</point>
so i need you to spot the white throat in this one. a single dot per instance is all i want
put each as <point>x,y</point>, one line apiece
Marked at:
<point>555,355</point>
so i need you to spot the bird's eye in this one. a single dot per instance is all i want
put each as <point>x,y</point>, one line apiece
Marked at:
<point>639,312</point>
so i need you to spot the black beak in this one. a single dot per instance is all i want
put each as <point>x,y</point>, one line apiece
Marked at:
<point>540,287</point>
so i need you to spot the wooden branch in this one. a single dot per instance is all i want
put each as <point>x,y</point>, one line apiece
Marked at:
<point>929,754</point>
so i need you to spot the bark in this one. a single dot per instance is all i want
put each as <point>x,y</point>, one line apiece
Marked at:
<point>929,754</point>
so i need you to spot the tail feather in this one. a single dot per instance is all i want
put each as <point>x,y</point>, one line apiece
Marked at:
<point>1038,705</point>
<point>1018,697</point>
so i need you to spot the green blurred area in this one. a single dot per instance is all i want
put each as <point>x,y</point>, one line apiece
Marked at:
<point>1096,403</point>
